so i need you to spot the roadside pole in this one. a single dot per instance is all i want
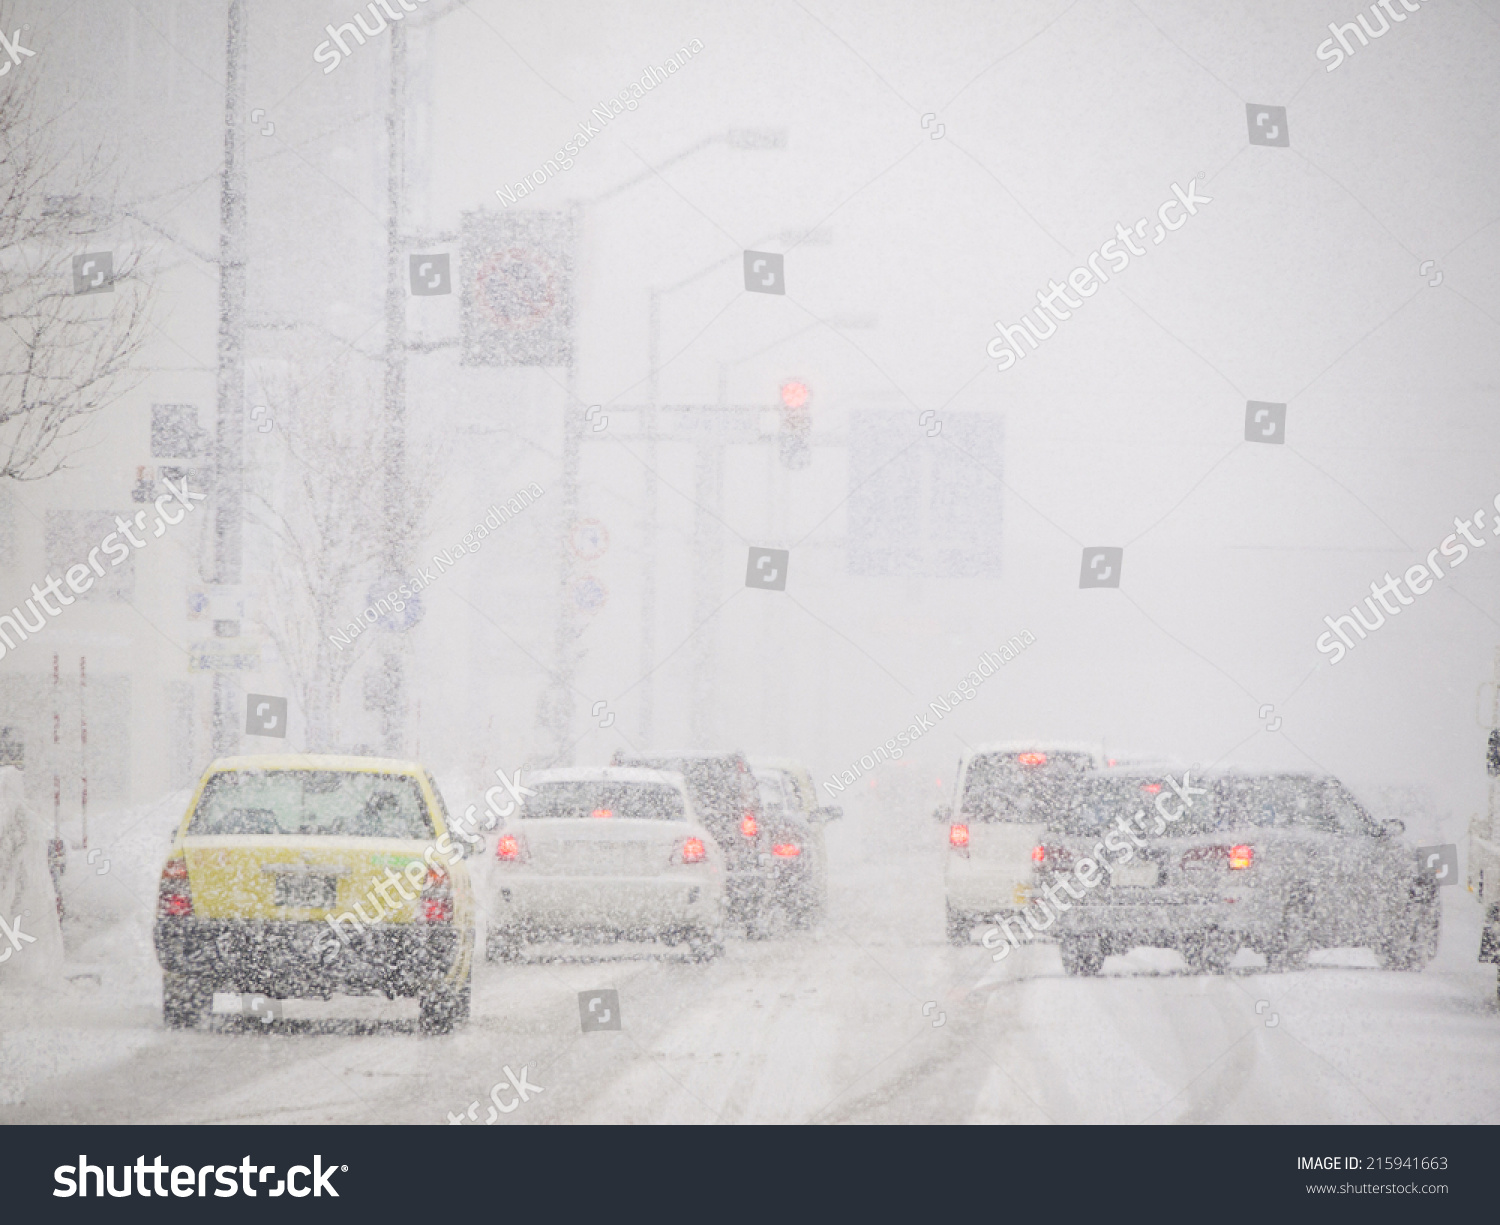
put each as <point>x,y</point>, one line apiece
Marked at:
<point>229,442</point>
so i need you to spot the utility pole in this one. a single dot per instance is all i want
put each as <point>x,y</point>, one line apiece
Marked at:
<point>648,533</point>
<point>560,705</point>
<point>391,688</point>
<point>229,448</point>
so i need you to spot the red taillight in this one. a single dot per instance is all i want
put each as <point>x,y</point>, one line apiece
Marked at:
<point>1038,854</point>
<point>787,850</point>
<point>174,896</point>
<point>508,848</point>
<point>602,812</point>
<point>958,835</point>
<point>437,897</point>
<point>1241,856</point>
<point>1151,788</point>
<point>1032,759</point>
<point>693,851</point>
<point>749,826</point>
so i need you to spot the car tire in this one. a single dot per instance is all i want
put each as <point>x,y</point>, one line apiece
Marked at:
<point>768,922</point>
<point>185,1001</point>
<point>1293,940</point>
<point>1209,952</point>
<point>704,946</point>
<point>446,1006</point>
<point>959,928</point>
<point>1415,943</point>
<point>1082,955</point>
<point>505,946</point>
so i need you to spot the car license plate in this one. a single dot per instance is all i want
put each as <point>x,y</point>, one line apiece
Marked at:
<point>605,858</point>
<point>306,892</point>
<point>1138,875</point>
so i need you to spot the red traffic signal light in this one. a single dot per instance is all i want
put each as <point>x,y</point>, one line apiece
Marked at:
<point>794,394</point>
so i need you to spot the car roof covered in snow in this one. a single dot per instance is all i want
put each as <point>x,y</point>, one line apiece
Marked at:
<point>317,761</point>
<point>683,754</point>
<point>609,774</point>
<point>1038,746</point>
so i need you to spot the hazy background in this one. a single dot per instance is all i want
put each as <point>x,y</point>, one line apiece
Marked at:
<point>1299,283</point>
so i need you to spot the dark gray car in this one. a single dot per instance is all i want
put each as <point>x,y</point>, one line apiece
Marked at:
<point>1279,863</point>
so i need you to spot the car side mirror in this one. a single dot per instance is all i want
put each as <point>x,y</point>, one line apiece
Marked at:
<point>828,812</point>
<point>943,813</point>
<point>1392,828</point>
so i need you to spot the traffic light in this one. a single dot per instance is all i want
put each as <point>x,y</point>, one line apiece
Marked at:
<point>796,424</point>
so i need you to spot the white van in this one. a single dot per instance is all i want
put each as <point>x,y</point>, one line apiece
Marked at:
<point>1005,798</point>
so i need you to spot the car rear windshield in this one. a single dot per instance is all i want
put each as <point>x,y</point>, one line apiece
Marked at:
<point>1025,787</point>
<point>1282,802</point>
<point>1099,802</point>
<point>335,803</point>
<point>719,789</point>
<point>602,800</point>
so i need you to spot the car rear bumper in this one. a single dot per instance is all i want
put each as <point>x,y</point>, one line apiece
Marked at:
<point>544,906</point>
<point>288,960</point>
<point>1162,922</point>
<point>980,892</point>
<point>1489,937</point>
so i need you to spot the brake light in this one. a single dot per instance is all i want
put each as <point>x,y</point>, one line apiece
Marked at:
<point>508,848</point>
<point>174,898</point>
<point>693,851</point>
<point>749,826</point>
<point>602,812</point>
<point>1151,788</point>
<point>1241,856</point>
<point>1039,854</point>
<point>1032,759</point>
<point>437,898</point>
<point>787,850</point>
<point>958,835</point>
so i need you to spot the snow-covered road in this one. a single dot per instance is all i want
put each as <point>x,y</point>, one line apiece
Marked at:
<point>872,1017</point>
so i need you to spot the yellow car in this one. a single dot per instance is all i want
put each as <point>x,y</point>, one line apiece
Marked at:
<point>303,875</point>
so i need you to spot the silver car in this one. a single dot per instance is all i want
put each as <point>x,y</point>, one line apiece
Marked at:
<point>1279,863</point>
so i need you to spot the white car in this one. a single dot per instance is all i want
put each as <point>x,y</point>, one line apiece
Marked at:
<point>1006,796</point>
<point>604,855</point>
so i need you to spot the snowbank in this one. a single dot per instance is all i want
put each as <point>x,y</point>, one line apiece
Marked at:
<point>28,902</point>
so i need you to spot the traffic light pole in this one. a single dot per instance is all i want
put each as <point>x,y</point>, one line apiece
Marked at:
<point>392,689</point>
<point>229,439</point>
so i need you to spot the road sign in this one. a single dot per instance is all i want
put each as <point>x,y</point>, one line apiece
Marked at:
<point>517,289</point>
<point>589,540</point>
<point>590,594</point>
